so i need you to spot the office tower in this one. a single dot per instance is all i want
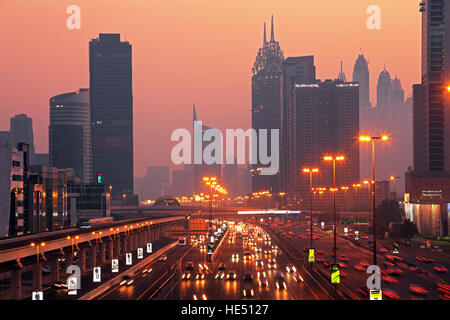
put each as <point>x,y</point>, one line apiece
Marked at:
<point>293,70</point>
<point>362,76</point>
<point>266,103</point>
<point>41,159</point>
<point>428,183</point>
<point>70,133</point>
<point>5,138</point>
<point>203,169</point>
<point>181,184</point>
<point>111,102</point>
<point>324,120</point>
<point>21,130</point>
<point>384,89</point>
<point>397,93</point>
<point>152,185</point>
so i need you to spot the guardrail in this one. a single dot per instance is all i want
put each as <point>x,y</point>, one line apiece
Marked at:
<point>105,286</point>
<point>216,249</point>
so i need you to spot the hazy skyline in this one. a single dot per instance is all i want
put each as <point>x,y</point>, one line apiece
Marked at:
<point>200,52</point>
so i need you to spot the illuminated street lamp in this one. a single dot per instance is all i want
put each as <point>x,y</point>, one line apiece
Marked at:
<point>373,139</point>
<point>73,239</point>
<point>35,245</point>
<point>334,159</point>
<point>394,179</point>
<point>310,171</point>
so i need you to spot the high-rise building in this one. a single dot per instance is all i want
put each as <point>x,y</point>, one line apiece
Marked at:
<point>21,131</point>
<point>293,70</point>
<point>202,169</point>
<point>384,89</point>
<point>5,138</point>
<point>397,93</point>
<point>266,103</point>
<point>70,133</point>
<point>111,102</point>
<point>428,183</point>
<point>152,184</point>
<point>324,120</point>
<point>362,76</point>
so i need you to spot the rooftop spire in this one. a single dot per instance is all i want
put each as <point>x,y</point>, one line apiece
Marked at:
<point>195,114</point>
<point>341,75</point>
<point>265,39</point>
<point>272,37</point>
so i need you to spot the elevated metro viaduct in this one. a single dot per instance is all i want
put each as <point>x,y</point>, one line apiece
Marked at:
<point>100,244</point>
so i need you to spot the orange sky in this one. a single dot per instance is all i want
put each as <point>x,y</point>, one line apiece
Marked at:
<point>187,51</point>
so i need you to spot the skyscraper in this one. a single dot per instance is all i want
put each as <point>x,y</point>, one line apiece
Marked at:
<point>324,119</point>
<point>111,102</point>
<point>428,183</point>
<point>384,89</point>
<point>362,76</point>
<point>21,131</point>
<point>70,133</point>
<point>266,103</point>
<point>293,70</point>
<point>203,169</point>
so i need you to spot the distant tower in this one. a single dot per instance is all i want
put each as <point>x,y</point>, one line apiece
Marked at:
<point>361,75</point>
<point>384,89</point>
<point>397,93</point>
<point>341,75</point>
<point>21,130</point>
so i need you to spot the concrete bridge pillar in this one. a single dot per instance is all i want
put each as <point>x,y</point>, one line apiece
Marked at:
<point>130,242</point>
<point>37,273</point>
<point>82,259</point>
<point>110,249</point>
<point>124,244</point>
<point>16,281</point>
<point>116,252</point>
<point>54,264</point>
<point>93,256</point>
<point>102,253</point>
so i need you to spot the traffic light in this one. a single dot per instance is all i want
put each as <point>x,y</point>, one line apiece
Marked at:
<point>99,177</point>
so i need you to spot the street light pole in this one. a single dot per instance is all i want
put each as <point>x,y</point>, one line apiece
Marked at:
<point>372,139</point>
<point>310,171</point>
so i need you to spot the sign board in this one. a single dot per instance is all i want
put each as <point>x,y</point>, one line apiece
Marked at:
<point>115,265</point>
<point>129,259</point>
<point>72,285</point>
<point>335,274</point>
<point>37,295</point>
<point>311,255</point>
<point>140,253</point>
<point>149,248</point>
<point>345,230</point>
<point>376,295</point>
<point>97,274</point>
<point>322,225</point>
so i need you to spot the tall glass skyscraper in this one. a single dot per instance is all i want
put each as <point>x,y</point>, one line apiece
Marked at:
<point>111,101</point>
<point>362,76</point>
<point>266,102</point>
<point>21,131</point>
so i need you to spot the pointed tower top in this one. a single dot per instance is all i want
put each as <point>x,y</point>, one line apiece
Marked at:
<point>272,37</point>
<point>341,75</point>
<point>265,39</point>
<point>195,114</point>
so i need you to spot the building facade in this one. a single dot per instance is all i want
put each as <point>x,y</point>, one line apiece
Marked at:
<point>266,103</point>
<point>21,131</point>
<point>70,133</point>
<point>111,103</point>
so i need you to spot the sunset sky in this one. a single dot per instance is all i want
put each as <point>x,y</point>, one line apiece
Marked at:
<point>191,51</point>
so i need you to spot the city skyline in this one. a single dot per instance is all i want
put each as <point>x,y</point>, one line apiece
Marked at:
<point>66,65</point>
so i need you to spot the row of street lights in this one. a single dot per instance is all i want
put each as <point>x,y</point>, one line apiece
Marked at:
<point>338,158</point>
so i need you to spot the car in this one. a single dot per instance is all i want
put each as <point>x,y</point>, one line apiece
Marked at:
<point>364,263</point>
<point>220,275</point>
<point>162,258</point>
<point>222,266</point>
<point>186,275</point>
<point>203,296</point>
<point>290,268</point>
<point>231,275</point>
<point>248,277</point>
<point>263,281</point>
<point>259,263</point>
<point>248,292</point>
<point>389,279</point>
<point>200,276</point>
<point>147,270</point>
<point>320,252</point>
<point>392,271</point>
<point>390,294</point>
<point>359,267</point>
<point>343,258</point>
<point>189,265</point>
<point>126,281</point>
<point>297,277</point>
<point>384,250</point>
<point>279,281</point>
<point>418,290</point>
<point>440,269</point>
<point>235,257</point>
<point>60,285</point>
